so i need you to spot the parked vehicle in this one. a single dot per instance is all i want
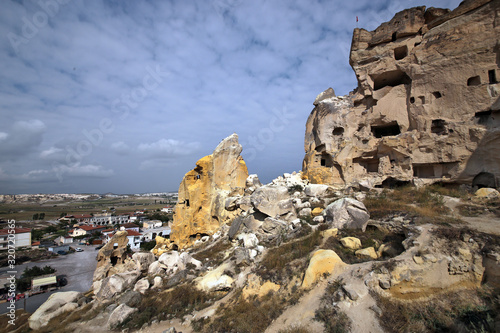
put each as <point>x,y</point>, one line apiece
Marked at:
<point>99,247</point>
<point>82,243</point>
<point>62,253</point>
<point>78,249</point>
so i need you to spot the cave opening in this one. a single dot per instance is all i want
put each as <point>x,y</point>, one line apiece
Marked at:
<point>390,129</point>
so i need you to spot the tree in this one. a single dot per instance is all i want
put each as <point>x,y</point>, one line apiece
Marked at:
<point>41,216</point>
<point>35,217</point>
<point>37,234</point>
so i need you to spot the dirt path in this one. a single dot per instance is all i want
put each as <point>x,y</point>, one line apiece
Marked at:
<point>487,223</point>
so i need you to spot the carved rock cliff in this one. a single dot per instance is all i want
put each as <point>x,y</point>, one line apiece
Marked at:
<point>427,104</point>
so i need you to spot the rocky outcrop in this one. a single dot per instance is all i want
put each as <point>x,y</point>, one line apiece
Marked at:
<point>57,304</point>
<point>203,192</point>
<point>113,257</point>
<point>347,213</point>
<point>427,105</point>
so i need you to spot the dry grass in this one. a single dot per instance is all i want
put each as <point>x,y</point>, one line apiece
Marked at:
<point>461,311</point>
<point>243,316</point>
<point>21,322</point>
<point>213,255</point>
<point>295,329</point>
<point>334,320</point>
<point>282,261</point>
<point>423,205</point>
<point>176,303</point>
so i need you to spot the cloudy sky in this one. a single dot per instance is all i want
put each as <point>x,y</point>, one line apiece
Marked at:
<point>125,96</point>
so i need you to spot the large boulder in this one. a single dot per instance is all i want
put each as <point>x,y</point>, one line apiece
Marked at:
<point>142,285</point>
<point>55,305</point>
<point>347,213</point>
<point>143,260</point>
<point>203,192</point>
<point>116,284</point>
<point>352,243</point>
<point>113,257</point>
<point>119,314</point>
<point>322,262</point>
<point>274,201</point>
<point>174,261</point>
<point>486,192</point>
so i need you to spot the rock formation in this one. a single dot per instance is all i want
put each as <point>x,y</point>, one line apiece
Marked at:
<point>203,191</point>
<point>426,108</point>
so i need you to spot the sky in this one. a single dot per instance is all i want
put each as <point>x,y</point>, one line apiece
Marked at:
<point>125,96</point>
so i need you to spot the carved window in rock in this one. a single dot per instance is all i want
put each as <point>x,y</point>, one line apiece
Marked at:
<point>187,202</point>
<point>438,127</point>
<point>400,52</point>
<point>391,78</point>
<point>390,129</point>
<point>492,76</point>
<point>326,161</point>
<point>474,81</point>
<point>337,131</point>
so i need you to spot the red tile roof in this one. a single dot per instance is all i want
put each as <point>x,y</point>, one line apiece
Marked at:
<point>133,233</point>
<point>108,230</point>
<point>90,228</point>
<point>35,243</point>
<point>81,216</point>
<point>17,231</point>
<point>129,225</point>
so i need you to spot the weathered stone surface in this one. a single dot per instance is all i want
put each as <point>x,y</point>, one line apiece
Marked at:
<point>322,261</point>
<point>352,243</point>
<point>318,190</point>
<point>109,258</point>
<point>426,108</point>
<point>154,268</point>
<point>255,286</point>
<point>55,305</point>
<point>157,283</point>
<point>347,213</point>
<point>215,280</point>
<point>252,183</point>
<point>130,298</point>
<point>142,285</point>
<point>116,283</point>
<point>162,245</point>
<point>273,201</point>
<point>143,260</point>
<point>330,233</point>
<point>249,240</point>
<point>203,192</point>
<point>487,193</point>
<point>317,211</point>
<point>368,252</point>
<point>173,261</point>
<point>119,314</point>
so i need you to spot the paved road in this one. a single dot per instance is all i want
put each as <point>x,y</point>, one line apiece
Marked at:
<point>78,267</point>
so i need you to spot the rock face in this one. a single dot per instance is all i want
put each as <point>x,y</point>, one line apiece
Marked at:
<point>57,304</point>
<point>203,191</point>
<point>113,258</point>
<point>347,213</point>
<point>427,105</point>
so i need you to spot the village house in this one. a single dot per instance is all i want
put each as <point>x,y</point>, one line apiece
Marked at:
<point>134,239</point>
<point>168,209</point>
<point>150,234</point>
<point>129,226</point>
<point>86,230</point>
<point>80,218</point>
<point>61,240</point>
<point>150,224</point>
<point>21,238</point>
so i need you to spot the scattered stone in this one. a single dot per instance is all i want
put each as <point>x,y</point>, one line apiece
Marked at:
<point>487,193</point>
<point>331,233</point>
<point>119,314</point>
<point>318,219</point>
<point>418,260</point>
<point>347,213</point>
<point>305,212</point>
<point>130,298</point>
<point>274,201</point>
<point>142,285</point>
<point>249,240</point>
<point>157,282</point>
<point>352,243</point>
<point>350,292</point>
<point>215,280</point>
<point>368,252</point>
<point>143,260</point>
<point>384,283</point>
<point>317,211</point>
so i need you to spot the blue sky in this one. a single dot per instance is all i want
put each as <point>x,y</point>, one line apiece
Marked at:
<point>125,96</point>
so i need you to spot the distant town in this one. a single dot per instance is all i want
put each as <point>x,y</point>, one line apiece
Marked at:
<point>51,226</point>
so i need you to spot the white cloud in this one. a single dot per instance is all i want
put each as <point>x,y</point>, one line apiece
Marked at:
<point>168,147</point>
<point>86,171</point>
<point>52,153</point>
<point>120,148</point>
<point>3,136</point>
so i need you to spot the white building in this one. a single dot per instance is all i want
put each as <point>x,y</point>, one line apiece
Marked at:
<point>105,219</point>
<point>20,238</point>
<point>61,240</point>
<point>152,224</point>
<point>168,210</point>
<point>150,234</point>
